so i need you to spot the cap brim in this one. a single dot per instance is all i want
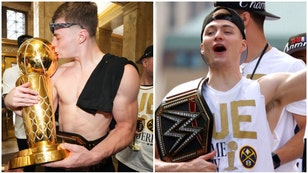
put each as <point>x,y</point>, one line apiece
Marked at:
<point>268,16</point>
<point>139,60</point>
<point>296,50</point>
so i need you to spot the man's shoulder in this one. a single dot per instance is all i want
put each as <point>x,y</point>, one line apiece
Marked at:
<point>117,60</point>
<point>283,60</point>
<point>280,55</point>
<point>113,58</point>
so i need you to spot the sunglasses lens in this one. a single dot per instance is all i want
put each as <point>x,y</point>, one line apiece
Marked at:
<point>54,26</point>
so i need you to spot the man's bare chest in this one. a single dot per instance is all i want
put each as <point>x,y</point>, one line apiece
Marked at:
<point>69,88</point>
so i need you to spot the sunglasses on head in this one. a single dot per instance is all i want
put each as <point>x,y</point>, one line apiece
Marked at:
<point>54,26</point>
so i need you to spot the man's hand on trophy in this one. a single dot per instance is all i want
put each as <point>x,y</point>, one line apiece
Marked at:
<point>21,96</point>
<point>76,157</point>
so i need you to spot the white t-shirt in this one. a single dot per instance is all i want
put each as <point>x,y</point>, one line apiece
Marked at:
<point>241,134</point>
<point>10,77</point>
<point>275,61</point>
<point>142,159</point>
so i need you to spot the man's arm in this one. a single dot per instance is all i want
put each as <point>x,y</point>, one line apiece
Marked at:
<point>295,144</point>
<point>17,97</point>
<point>125,111</point>
<point>21,96</point>
<point>199,164</point>
<point>281,89</point>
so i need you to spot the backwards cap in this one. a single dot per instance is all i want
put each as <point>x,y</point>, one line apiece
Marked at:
<point>147,53</point>
<point>224,14</point>
<point>296,43</point>
<point>257,7</point>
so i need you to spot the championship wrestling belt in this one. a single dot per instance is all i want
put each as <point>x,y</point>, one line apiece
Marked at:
<point>184,124</point>
<point>74,138</point>
<point>104,165</point>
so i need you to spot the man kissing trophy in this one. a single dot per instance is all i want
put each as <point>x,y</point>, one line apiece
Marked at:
<point>37,60</point>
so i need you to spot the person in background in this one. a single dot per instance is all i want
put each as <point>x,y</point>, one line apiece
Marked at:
<point>91,91</point>
<point>263,59</point>
<point>241,107</point>
<point>10,77</point>
<point>138,157</point>
<point>296,46</point>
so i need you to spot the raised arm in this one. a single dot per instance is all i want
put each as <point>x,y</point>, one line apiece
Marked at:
<point>283,88</point>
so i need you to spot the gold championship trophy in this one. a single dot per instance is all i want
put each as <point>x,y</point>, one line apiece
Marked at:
<point>38,62</point>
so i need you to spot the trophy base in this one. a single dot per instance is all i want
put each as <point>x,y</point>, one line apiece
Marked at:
<point>42,153</point>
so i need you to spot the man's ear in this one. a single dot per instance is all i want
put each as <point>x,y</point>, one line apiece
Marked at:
<point>201,49</point>
<point>245,17</point>
<point>244,45</point>
<point>83,35</point>
<point>145,62</point>
<point>202,53</point>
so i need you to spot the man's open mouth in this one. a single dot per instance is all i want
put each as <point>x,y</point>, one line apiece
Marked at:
<point>219,48</point>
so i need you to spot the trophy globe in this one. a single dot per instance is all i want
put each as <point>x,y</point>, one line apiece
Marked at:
<point>37,55</point>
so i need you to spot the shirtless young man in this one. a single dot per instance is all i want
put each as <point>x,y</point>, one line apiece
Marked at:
<point>84,107</point>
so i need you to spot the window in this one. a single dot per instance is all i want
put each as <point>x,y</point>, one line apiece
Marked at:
<point>14,23</point>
